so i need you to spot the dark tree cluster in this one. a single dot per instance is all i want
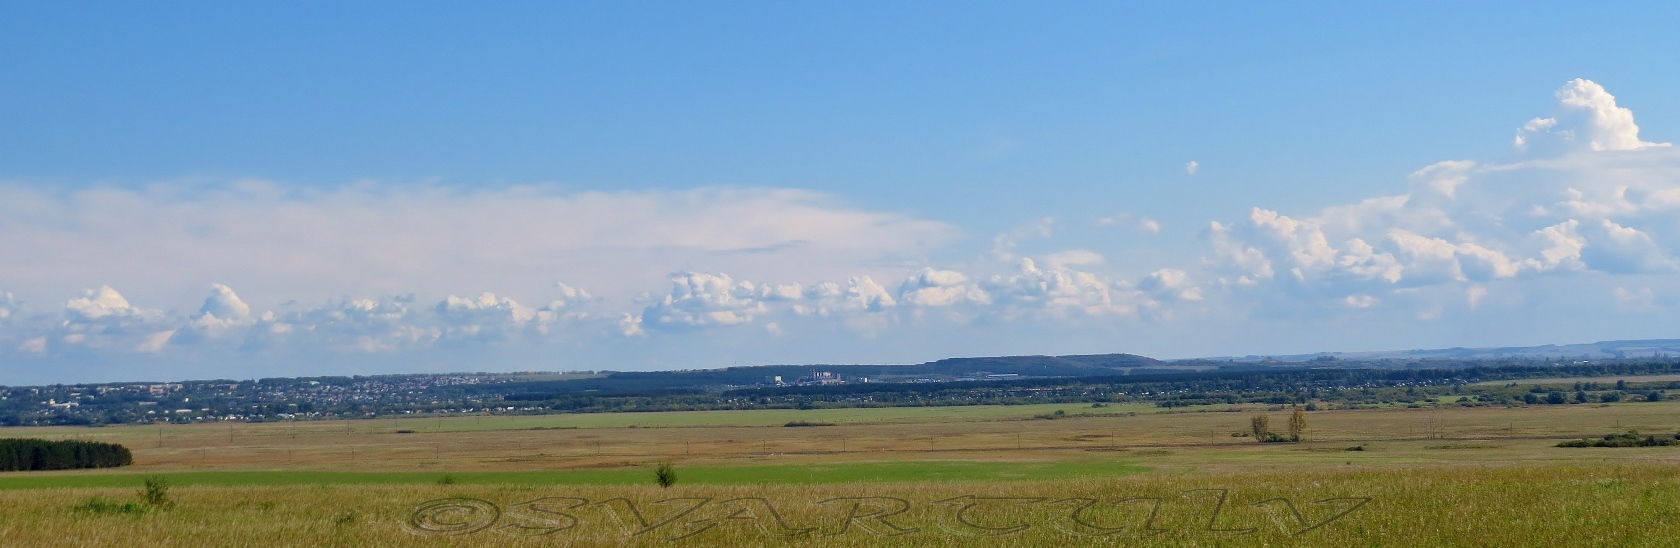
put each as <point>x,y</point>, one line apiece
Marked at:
<point>1626,439</point>
<point>17,454</point>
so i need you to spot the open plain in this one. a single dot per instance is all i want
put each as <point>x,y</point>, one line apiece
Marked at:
<point>1437,474</point>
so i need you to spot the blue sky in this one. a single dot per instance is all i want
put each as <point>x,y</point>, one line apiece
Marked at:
<point>212,189</point>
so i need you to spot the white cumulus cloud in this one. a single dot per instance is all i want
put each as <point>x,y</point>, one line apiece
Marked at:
<point>705,299</point>
<point>1594,198</point>
<point>1587,117</point>
<point>937,288</point>
<point>97,304</point>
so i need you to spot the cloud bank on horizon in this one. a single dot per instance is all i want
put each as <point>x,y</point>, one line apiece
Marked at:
<point>379,271</point>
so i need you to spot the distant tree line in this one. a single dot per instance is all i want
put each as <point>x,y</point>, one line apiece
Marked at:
<point>1303,387</point>
<point>1338,383</point>
<point>17,454</point>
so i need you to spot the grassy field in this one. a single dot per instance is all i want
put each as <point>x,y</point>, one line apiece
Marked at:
<point>1548,504</point>
<point>849,472</point>
<point>1181,438</point>
<point>761,417</point>
<point>1449,475</point>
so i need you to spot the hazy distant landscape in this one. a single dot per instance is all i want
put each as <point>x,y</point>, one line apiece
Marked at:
<point>1340,378</point>
<point>1063,448</point>
<point>821,274</point>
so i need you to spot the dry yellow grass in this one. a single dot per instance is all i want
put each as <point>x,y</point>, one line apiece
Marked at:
<point>1448,476</point>
<point>375,445</point>
<point>1544,504</point>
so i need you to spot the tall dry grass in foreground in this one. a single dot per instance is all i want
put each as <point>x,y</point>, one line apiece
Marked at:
<point>1533,505</point>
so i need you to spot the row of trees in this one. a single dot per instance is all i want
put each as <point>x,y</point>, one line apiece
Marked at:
<point>1627,439</point>
<point>1558,397</point>
<point>37,454</point>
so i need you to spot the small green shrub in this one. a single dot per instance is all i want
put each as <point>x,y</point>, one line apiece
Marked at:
<point>665,475</point>
<point>155,492</point>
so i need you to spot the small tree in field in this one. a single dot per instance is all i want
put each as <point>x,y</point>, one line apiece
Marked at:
<point>156,492</point>
<point>1260,424</point>
<point>1297,424</point>
<point>665,475</point>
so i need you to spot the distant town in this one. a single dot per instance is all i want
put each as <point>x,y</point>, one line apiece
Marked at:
<point>1090,379</point>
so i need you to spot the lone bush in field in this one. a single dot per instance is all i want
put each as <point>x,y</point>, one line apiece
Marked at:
<point>665,474</point>
<point>1297,424</point>
<point>155,493</point>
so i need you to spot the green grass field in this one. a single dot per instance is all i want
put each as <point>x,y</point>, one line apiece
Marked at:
<point>866,472</point>
<point>755,417</point>
<point>1545,504</point>
<point>1437,476</point>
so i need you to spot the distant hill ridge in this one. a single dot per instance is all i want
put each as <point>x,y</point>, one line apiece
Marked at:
<point>1642,348</point>
<point>1094,365</point>
<point>1075,365</point>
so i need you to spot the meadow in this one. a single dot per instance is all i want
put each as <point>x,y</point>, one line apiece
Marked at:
<point>1025,475</point>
